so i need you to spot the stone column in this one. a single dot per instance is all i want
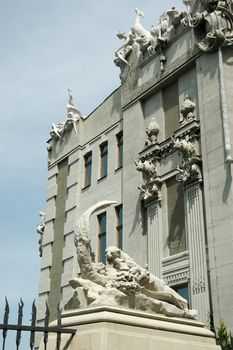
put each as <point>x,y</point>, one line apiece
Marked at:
<point>197,251</point>
<point>154,240</point>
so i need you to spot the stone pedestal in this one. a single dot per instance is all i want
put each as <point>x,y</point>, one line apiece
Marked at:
<point>105,328</point>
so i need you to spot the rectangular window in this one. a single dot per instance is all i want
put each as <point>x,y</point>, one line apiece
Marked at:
<point>119,228</point>
<point>171,108</point>
<point>104,159</point>
<point>176,217</point>
<point>102,221</point>
<point>88,166</point>
<point>119,149</point>
<point>183,291</point>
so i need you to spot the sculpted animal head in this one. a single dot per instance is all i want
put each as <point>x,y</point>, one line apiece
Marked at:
<point>112,253</point>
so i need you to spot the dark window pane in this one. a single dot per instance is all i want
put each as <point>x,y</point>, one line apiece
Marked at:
<point>102,223</point>
<point>183,291</point>
<point>120,150</point>
<point>103,248</point>
<point>120,215</point>
<point>119,228</point>
<point>88,169</point>
<point>102,220</point>
<point>176,217</point>
<point>120,238</point>
<point>171,108</point>
<point>104,159</point>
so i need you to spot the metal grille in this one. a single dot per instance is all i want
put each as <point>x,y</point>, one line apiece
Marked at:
<point>32,328</point>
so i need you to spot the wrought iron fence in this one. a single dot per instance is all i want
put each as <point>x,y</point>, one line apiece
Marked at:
<point>33,328</point>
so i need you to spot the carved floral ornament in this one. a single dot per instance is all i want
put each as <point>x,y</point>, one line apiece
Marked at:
<point>187,110</point>
<point>152,133</point>
<point>212,21</point>
<point>189,170</point>
<point>151,186</point>
<point>199,286</point>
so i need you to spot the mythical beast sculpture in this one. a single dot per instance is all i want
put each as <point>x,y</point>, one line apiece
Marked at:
<point>122,282</point>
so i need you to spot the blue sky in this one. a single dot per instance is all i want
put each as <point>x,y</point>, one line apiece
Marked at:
<point>46,47</point>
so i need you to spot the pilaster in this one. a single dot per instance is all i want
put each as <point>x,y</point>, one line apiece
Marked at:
<point>154,238</point>
<point>197,252</point>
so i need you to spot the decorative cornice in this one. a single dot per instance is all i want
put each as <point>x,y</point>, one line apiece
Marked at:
<point>177,278</point>
<point>176,269</point>
<point>166,147</point>
<point>184,141</point>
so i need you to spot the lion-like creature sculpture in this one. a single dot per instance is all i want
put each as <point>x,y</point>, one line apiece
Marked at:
<point>120,283</point>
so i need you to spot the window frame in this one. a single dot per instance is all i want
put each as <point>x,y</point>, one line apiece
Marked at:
<point>119,226</point>
<point>184,285</point>
<point>175,247</point>
<point>87,166</point>
<point>120,143</point>
<point>103,159</point>
<point>102,233</point>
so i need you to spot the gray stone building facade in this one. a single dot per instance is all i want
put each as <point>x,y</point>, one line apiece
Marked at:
<point>161,147</point>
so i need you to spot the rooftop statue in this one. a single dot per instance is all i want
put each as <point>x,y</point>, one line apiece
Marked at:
<point>70,98</point>
<point>123,52</point>
<point>40,231</point>
<point>122,282</point>
<point>72,117</point>
<point>57,130</point>
<point>73,114</point>
<point>142,36</point>
<point>149,41</point>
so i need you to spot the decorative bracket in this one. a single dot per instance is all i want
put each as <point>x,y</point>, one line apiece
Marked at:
<point>72,117</point>
<point>152,182</point>
<point>190,168</point>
